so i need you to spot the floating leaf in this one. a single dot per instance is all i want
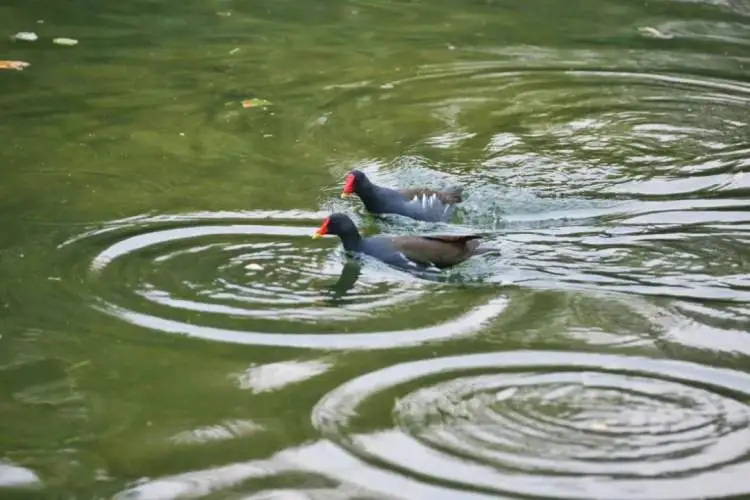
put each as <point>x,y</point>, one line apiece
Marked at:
<point>65,41</point>
<point>256,103</point>
<point>17,65</point>
<point>26,36</point>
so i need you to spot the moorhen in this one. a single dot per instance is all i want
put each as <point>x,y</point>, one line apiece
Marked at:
<point>421,204</point>
<point>419,253</point>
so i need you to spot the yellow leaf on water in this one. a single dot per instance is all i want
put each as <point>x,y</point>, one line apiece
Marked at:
<point>16,65</point>
<point>256,103</point>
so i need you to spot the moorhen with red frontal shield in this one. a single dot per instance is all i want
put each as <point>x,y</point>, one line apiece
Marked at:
<point>420,204</point>
<point>419,253</point>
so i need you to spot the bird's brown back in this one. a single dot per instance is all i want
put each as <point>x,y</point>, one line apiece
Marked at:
<point>439,250</point>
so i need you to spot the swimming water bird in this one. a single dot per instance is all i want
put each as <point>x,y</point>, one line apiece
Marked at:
<point>419,253</point>
<point>420,204</point>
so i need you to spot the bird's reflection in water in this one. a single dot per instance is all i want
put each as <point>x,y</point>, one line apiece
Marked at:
<point>352,270</point>
<point>349,275</point>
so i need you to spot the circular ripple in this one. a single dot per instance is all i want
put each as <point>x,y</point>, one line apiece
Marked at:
<point>217,277</point>
<point>553,424</point>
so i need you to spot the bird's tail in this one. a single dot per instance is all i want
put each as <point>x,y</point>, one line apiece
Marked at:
<point>453,195</point>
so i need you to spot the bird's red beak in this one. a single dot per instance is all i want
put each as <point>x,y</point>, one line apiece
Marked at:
<point>348,186</point>
<point>322,230</point>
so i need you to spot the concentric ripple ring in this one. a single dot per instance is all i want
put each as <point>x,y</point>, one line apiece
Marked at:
<point>225,278</point>
<point>550,424</point>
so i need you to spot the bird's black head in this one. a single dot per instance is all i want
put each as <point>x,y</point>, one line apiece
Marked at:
<point>337,224</point>
<point>356,182</point>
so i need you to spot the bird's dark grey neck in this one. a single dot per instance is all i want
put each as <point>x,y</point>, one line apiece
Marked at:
<point>351,240</point>
<point>372,197</point>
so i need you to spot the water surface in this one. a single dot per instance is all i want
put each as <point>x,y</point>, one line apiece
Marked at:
<point>168,328</point>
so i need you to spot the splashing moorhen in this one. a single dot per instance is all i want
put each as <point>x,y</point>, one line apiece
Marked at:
<point>421,204</point>
<point>405,252</point>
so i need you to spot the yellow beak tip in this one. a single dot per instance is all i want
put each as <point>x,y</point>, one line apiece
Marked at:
<point>345,195</point>
<point>315,236</point>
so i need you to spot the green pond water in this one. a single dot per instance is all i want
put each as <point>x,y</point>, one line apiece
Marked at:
<point>169,330</point>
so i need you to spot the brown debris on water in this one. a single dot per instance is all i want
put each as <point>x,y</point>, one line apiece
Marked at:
<point>16,65</point>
